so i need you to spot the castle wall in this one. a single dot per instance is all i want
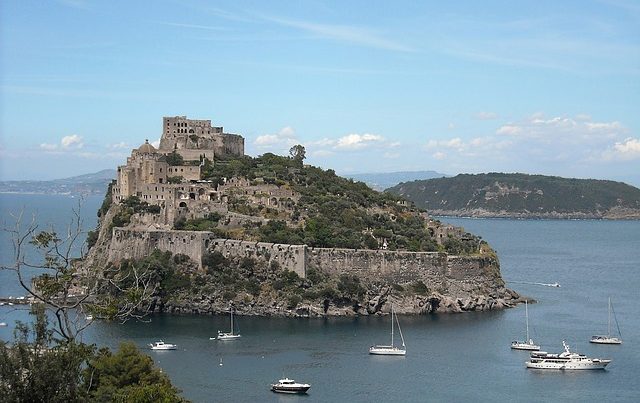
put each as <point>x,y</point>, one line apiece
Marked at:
<point>454,275</point>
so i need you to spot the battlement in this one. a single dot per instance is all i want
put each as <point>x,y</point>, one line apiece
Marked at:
<point>193,138</point>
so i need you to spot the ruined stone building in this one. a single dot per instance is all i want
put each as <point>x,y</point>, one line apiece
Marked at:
<point>150,173</point>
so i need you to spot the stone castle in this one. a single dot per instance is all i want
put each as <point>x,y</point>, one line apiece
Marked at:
<point>177,187</point>
<point>152,175</point>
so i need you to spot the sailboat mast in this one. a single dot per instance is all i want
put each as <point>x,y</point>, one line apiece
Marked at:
<point>526,314</point>
<point>391,325</point>
<point>609,320</point>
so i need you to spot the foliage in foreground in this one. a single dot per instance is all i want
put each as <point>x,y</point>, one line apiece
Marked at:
<point>39,368</point>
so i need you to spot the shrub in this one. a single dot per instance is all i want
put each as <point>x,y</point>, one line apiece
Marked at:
<point>293,301</point>
<point>420,288</point>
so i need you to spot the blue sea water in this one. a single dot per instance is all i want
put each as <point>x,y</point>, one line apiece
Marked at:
<point>450,358</point>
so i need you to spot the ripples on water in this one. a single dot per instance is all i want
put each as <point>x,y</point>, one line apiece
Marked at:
<point>463,357</point>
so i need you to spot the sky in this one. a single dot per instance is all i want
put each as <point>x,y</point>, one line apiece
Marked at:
<point>539,87</point>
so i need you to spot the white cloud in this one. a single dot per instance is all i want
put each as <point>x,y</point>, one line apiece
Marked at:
<point>628,149</point>
<point>285,137</point>
<point>509,130</point>
<point>72,141</point>
<point>156,143</point>
<point>390,155</point>
<point>67,143</point>
<point>439,156</point>
<point>119,146</point>
<point>356,141</point>
<point>454,143</point>
<point>562,129</point>
<point>48,147</point>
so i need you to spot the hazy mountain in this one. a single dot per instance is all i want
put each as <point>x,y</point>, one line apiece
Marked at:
<point>93,183</point>
<point>384,180</point>
<point>523,196</point>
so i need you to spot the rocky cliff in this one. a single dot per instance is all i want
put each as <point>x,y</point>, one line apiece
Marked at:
<point>296,280</point>
<point>276,237</point>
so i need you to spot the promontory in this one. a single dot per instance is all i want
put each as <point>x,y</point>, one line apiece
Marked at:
<point>274,236</point>
<point>522,196</point>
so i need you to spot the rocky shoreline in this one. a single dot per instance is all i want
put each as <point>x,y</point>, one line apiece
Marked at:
<point>434,303</point>
<point>613,214</point>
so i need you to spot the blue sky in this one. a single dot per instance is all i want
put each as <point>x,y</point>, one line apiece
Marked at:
<point>542,87</point>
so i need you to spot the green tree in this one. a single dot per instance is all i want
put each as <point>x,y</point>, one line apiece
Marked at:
<point>298,153</point>
<point>174,159</point>
<point>127,376</point>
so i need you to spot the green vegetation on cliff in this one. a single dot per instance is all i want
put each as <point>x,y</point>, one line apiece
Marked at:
<point>331,211</point>
<point>522,195</point>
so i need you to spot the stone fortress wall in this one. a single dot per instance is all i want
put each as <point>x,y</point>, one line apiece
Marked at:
<point>439,271</point>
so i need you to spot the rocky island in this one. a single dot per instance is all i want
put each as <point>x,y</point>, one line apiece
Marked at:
<point>274,236</point>
<point>523,196</point>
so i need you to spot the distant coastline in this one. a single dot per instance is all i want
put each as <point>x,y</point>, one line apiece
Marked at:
<point>522,196</point>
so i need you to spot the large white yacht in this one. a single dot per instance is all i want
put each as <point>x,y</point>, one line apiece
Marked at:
<point>566,360</point>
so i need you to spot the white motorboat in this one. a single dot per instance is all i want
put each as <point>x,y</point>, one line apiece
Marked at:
<point>528,344</point>
<point>161,345</point>
<point>3,324</point>
<point>231,335</point>
<point>390,349</point>
<point>287,385</point>
<point>608,339</point>
<point>566,360</point>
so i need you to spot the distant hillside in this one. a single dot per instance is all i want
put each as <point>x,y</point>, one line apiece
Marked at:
<point>93,183</point>
<point>381,181</point>
<point>523,196</point>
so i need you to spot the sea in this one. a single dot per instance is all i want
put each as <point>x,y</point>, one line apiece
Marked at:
<point>450,358</point>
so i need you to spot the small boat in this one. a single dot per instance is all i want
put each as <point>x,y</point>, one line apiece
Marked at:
<point>287,385</point>
<point>390,349</point>
<point>608,339</point>
<point>161,345</point>
<point>89,317</point>
<point>231,335</point>
<point>566,360</point>
<point>3,324</point>
<point>528,344</point>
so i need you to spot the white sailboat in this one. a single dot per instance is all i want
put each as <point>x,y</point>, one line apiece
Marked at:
<point>390,349</point>
<point>608,339</point>
<point>231,335</point>
<point>528,344</point>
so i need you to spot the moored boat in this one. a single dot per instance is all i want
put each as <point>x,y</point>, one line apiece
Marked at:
<point>231,335</point>
<point>161,345</point>
<point>608,339</point>
<point>287,385</point>
<point>567,360</point>
<point>390,349</point>
<point>528,344</point>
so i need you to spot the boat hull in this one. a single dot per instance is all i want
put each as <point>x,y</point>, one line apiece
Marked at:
<point>605,340</point>
<point>290,389</point>
<point>229,336</point>
<point>569,366</point>
<point>524,346</point>
<point>382,350</point>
